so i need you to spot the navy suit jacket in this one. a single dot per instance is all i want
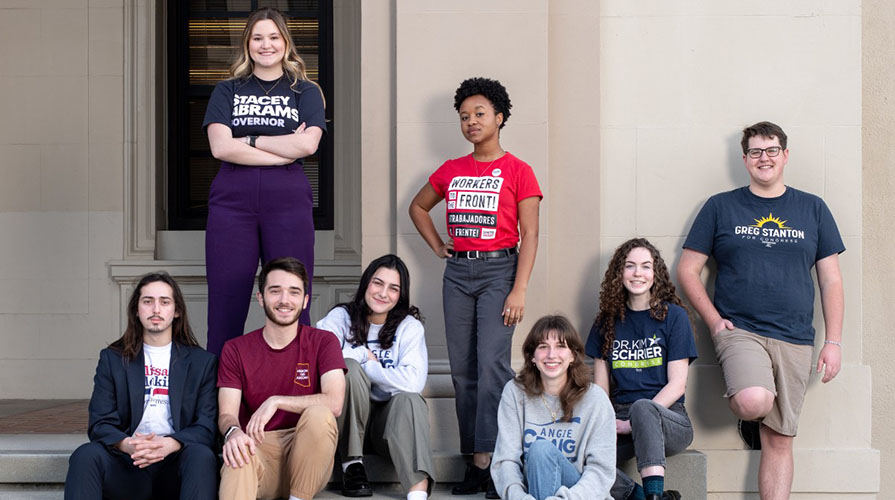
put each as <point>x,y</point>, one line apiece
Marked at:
<point>116,406</point>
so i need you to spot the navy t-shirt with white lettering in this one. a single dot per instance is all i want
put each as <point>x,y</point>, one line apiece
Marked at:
<point>641,351</point>
<point>764,249</point>
<point>245,107</point>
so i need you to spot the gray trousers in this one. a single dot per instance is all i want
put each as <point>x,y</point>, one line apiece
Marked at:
<point>397,428</point>
<point>479,345</point>
<point>656,432</point>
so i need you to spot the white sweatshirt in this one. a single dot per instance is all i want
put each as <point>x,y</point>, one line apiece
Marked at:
<point>402,368</point>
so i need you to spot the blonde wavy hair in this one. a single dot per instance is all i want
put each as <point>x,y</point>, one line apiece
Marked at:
<point>293,64</point>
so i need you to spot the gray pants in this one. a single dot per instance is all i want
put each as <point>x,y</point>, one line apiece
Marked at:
<point>656,432</point>
<point>479,345</point>
<point>397,428</point>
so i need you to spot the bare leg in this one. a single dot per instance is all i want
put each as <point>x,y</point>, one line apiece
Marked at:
<point>776,469</point>
<point>481,459</point>
<point>751,403</point>
<point>653,470</point>
<point>421,486</point>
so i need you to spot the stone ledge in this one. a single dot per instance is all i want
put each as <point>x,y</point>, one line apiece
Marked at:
<point>824,470</point>
<point>41,461</point>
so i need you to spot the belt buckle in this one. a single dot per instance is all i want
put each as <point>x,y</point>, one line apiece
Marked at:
<point>472,255</point>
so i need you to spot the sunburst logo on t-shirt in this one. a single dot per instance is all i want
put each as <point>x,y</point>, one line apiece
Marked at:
<point>781,224</point>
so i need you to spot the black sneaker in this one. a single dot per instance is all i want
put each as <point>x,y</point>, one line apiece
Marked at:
<point>671,495</point>
<point>354,481</point>
<point>749,431</point>
<point>475,480</point>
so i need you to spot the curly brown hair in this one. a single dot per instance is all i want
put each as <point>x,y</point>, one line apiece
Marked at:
<point>529,377</point>
<point>614,296</point>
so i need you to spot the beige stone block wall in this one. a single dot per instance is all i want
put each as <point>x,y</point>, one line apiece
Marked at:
<point>61,194</point>
<point>679,80</point>
<point>878,206</point>
<point>438,44</point>
<point>547,55</point>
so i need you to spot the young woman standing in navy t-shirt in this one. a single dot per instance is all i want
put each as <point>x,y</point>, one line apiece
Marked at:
<point>492,201</point>
<point>643,342</point>
<point>260,124</point>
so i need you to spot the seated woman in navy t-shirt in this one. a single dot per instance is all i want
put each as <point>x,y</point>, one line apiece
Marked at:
<point>643,341</point>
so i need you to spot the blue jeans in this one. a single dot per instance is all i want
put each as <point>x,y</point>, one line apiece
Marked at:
<point>546,469</point>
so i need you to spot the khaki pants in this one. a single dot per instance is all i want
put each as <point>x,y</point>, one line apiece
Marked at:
<point>397,429</point>
<point>295,461</point>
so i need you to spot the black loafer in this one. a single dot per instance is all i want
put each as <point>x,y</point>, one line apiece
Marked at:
<point>355,483</point>
<point>475,480</point>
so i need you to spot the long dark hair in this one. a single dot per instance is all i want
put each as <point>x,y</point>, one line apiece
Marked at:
<point>131,341</point>
<point>579,375</point>
<point>614,296</point>
<point>359,311</point>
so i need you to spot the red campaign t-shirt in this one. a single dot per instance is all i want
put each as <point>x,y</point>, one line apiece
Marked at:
<point>249,364</point>
<point>482,200</point>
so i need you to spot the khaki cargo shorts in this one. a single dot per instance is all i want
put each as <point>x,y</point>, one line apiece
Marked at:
<point>751,360</point>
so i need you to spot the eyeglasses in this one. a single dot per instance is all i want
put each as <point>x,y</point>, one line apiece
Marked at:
<point>771,151</point>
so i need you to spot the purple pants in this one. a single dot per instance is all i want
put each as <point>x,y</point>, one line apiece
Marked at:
<point>253,212</point>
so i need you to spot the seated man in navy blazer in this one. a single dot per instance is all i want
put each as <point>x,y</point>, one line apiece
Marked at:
<point>153,409</point>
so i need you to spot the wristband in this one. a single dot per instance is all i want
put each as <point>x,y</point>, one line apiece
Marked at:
<point>833,342</point>
<point>230,431</point>
<point>252,139</point>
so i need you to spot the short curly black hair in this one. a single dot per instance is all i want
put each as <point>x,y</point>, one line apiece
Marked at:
<point>490,89</point>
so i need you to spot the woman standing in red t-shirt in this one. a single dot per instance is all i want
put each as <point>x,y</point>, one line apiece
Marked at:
<point>492,202</point>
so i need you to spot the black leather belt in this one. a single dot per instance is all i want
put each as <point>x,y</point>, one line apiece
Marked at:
<point>476,254</point>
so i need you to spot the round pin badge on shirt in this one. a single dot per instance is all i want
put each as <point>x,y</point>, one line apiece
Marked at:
<point>495,172</point>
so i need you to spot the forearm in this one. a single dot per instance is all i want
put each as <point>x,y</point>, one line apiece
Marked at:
<point>601,375</point>
<point>289,145</point>
<point>406,378</point>
<point>357,353</point>
<point>669,394</point>
<point>298,404</point>
<point>677,371</point>
<point>528,249</point>
<point>698,296</point>
<point>235,150</point>
<point>424,225</point>
<point>833,305</point>
<point>227,420</point>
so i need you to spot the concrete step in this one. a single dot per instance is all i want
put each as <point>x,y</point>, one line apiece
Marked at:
<point>33,466</point>
<point>43,459</point>
<point>380,492</point>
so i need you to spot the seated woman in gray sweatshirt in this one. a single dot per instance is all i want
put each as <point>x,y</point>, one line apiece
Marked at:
<point>556,429</point>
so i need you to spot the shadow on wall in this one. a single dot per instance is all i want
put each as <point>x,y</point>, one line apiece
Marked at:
<point>589,296</point>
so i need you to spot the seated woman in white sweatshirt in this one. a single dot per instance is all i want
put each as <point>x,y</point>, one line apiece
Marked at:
<point>384,346</point>
<point>556,437</point>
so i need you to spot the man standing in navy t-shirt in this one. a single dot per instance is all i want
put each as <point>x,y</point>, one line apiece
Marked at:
<point>765,238</point>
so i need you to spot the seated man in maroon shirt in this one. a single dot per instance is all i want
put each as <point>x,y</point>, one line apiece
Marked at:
<point>281,388</point>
